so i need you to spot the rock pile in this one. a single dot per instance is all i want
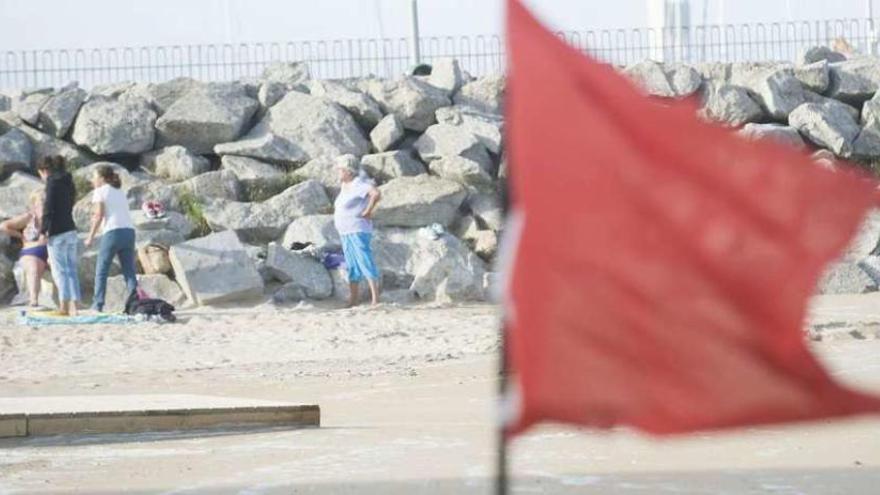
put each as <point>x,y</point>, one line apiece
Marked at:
<point>245,168</point>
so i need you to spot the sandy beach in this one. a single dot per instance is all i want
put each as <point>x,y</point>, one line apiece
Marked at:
<point>407,398</point>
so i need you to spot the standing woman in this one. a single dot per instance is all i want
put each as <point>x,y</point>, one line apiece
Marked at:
<point>118,236</point>
<point>353,210</point>
<point>34,256</point>
<point>58,226</point>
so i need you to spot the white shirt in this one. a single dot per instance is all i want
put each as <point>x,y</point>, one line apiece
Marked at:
<point>352,201</point>
<point>116,215</point>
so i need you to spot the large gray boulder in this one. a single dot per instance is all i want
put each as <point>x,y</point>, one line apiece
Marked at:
<point>446,74</point>
<point>844,276</point>
<point>267,148</point>
<point>820,54</point>
<point>15,194</point>
<point>823,100</point>
<point>156,286</point>
<point>651,77</point>
<point>730,105</point>
<point>413,101</point>
<point>206,117</point>
<point>303,275</point>
<point>216,269</point>
<point>290,74</point>
<point>7,279</point>
<point>45,145</point>
<point>256,178</point>
<point>445,270</point>
<point>487,210</point>
<point>387,133</point>
<point>162,95</point>
<point>782,134</point>
<point>487,128</point>
<point>221,184</point>
<point>266,221</point>
<point>815,77</point>
<point>108,126</point>
<point>172,221</point>
<point>444,140</point>
<point>419,201</point>
<point>826,125</point>
<point>461,170</point>
<point>5,103</point>
<point>854,81</point>
<point>175,163</point>
<point>391,165</point>
<point>112,90</point>
<point>684,79</point>
<point>316,229</point>
<point>27,107</point>
<point>314,125</point>
<point>362,107</point>
<point>323,170</point>
<point>485,94</point>
<point>16,152</point>
<point>778,91</point>
<point>59,111</point>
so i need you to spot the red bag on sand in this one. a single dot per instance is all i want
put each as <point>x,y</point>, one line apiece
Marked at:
<point>662,265</point>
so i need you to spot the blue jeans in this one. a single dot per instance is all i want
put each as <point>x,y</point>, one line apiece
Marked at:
<point>63,258</point>
<point>116,242</point>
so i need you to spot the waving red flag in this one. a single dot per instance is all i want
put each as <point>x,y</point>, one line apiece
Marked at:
<point>662,265</point>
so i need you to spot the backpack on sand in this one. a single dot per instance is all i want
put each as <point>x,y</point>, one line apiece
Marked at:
<point>149,307</point>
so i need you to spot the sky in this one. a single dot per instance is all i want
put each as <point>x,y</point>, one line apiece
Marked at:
<point>38,24</point>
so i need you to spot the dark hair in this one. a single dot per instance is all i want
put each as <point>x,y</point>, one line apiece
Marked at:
<point>110,176</point>
<point>52,163</point>
<point>422,70</point>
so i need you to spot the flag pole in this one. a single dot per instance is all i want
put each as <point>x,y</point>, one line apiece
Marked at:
<point>501,469</point>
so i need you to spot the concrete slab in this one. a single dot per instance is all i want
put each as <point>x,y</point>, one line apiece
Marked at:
<point>36,416</point>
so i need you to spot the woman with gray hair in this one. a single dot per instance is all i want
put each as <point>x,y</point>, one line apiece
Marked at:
<point>353,211</point>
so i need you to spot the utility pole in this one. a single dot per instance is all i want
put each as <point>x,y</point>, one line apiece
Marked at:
<point>414,48</point>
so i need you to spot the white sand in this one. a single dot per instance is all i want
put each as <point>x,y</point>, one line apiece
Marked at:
<point>407,398</point>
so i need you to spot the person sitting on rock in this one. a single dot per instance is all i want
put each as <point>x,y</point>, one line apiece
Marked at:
<point>353,211</point>
<point>34,255</point>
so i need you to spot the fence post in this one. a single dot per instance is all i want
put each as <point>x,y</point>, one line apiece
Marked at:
<point>415,50</point>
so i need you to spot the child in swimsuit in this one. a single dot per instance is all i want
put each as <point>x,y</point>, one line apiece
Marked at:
<point>34,255</point>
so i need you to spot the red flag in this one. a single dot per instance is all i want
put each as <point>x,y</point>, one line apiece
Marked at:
<point>662,265</point>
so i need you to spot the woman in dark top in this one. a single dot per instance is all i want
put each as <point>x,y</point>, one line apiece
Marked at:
<point>57,225</point>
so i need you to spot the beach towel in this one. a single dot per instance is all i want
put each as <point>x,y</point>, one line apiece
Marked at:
<point>47,318</point>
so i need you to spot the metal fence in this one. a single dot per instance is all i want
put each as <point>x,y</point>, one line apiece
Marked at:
<point>479,55</point>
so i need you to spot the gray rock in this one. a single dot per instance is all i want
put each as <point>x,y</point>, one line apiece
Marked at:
<point>419,201</point>
<point>253,175</point>
<point>731,105</point>
<point>221,184</point>
<point>5,103</point>
<point>444,140</point>
<point>107,126</point>
<point>815,77</point>
<point>446,75</point>
<point>172,222</point>
<point>387,133</point>
<point>113,90</point>
<point>461,170</point>
<point>867,144</point>
<point>323,170</point>
<point>156,286</point>
<point>268,148</point>
<point>445,270</point>
<point>391,165</point>
<point>828,126</point>
<point>362,107</point>
<point>264,222</point>
<point>316,229</point>
<point>302,274</point>
<point>776,132</point>
<point>59,111</point>
<point>684,79</point>
<point>778,92</point>
<point>288,73</point>
<point>175,163</point>
<point>845,278</point>
<point>46,145</point>
<point>216,269</point>
<point>316,126</point>
<point>16,152</point>
<point>271,93</point>
<point>820,54</point>
<point>15,194</point>
<point>652,78</point>
<point>7,279</point>
<point>413,101</point>
<point>717,72</point>
<point>28,107</point>
<point>206,117</point>
<point>854,81</point>
<point>487,128</point>
<point>822,100</point>
<point>162,95</point>
<point>484,95</point>
<point>487,209</point>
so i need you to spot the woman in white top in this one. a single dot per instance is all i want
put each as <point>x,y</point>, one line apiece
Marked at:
<point>118,237</point>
